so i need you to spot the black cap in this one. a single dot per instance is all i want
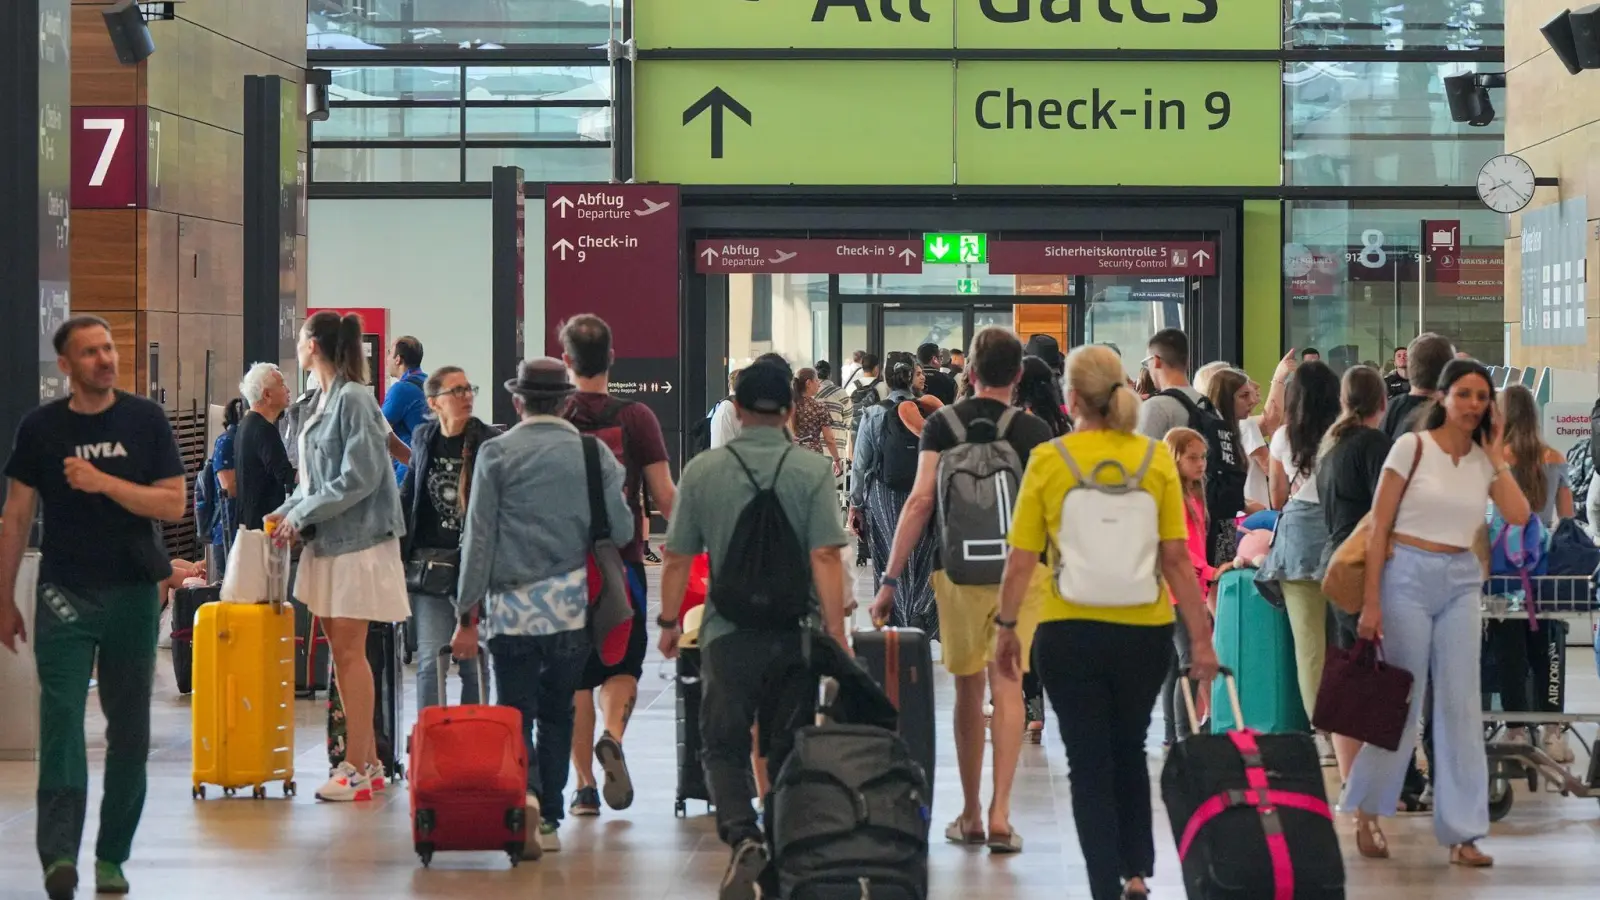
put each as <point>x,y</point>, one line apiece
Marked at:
<point>541,378</point>
<point>1046,348</point>
<point>764,387</point>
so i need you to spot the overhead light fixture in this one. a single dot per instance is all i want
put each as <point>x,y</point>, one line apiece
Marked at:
<point>317,83</point>
<point>1468,96</point>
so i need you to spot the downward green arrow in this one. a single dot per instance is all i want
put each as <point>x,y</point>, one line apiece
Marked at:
<point>940,248</point>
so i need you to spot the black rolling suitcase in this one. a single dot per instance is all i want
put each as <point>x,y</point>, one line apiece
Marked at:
<point>849,812</point>
<point>313,657</point>
<point>185,603</point>
<point>900,660</point>
<point>1250,815</point>
<point>691,774</point>
<point>383,655</point>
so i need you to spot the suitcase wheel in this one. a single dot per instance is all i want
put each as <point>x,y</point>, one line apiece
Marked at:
<point>1500,798</point>
<point>425,853</point>
<point>290,789</point>
<point>514,851</point>
<point>228,792</point>
<point>514,820</point>
<point>424,824</point>
<point>259,792</point>
<point>680,809</point>
<point>198,792</point>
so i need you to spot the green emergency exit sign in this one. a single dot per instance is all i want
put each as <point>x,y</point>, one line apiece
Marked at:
<point>955,247</point>
<point>966,285</point>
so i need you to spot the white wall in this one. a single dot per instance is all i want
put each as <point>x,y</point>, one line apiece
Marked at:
<point>428,263</point>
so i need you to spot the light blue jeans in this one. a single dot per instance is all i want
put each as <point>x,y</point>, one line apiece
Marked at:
<point>1431,622</point>
<point>436,624</point>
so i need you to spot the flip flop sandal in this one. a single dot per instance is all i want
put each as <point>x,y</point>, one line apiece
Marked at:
<point>954,835</point>
<point>1005,844</point>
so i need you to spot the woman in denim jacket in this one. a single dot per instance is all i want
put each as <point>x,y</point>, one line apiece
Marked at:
<point>347,511</point>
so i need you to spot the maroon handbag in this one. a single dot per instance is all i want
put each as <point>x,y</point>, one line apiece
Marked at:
<point>1363,697</point>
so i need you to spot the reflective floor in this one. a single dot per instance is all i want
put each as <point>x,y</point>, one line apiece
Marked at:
<point>1549,847</point>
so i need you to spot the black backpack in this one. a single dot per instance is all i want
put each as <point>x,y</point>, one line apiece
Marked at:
<point>700,434</point>
<point>764,579</point>
<point>862,397</point>
<point>1226,471</point>
<point>898,450</point>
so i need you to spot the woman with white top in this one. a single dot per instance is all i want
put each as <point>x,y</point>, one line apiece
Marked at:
<point>1423,602</point>
<point>1311,406</point>
<point>347,511</point>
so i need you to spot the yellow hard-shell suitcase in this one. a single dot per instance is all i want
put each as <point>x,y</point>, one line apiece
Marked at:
<point>243,711</point>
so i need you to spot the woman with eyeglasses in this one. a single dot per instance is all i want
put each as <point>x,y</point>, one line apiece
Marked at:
<point>434,497</point>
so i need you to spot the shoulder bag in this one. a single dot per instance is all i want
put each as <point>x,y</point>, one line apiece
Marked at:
<point>1345,582</point>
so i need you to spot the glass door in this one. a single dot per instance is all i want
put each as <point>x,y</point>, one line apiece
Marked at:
<point>1123,311</point>
<point>907,328</point>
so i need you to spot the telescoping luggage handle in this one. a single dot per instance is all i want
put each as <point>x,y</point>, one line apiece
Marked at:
<point>277,570</point>
<point>1188,697</point>
<point>445,658</point>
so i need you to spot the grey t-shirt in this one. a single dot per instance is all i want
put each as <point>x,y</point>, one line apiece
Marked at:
<point>1159,415</point>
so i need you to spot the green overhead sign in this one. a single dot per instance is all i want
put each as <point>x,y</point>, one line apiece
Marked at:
<point>849,122</point>
<point>951,24</point>
<point>951,247</point>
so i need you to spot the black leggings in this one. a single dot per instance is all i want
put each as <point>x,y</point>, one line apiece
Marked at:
<point>1102,681</point>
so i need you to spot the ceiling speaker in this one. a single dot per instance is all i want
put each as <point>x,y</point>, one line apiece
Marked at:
<point>129,33</point>
<point>1558,34</point>
<point>1469,100</point>
<point>1586,36</point>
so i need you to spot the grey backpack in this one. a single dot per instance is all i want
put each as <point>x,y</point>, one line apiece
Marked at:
<point>977,489</point>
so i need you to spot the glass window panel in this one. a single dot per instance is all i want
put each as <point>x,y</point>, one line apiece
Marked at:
<point>542,123</point>
<point>1378,124</point>
<point>852,328</point>
<point>1123,311</point>
<point>944,280</point>
<point>539,83</point>
<point>907,329</point>
<point>776,314</point>
<point>396,83</point>
<point>362,123</point>
<point>475,24</point>
<point>1361,281</point>
<point>367,164</point>
<point>542,163</point>
<point>1397,24</point>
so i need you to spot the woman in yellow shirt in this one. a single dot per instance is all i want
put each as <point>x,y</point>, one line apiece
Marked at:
<point>1104,654</point>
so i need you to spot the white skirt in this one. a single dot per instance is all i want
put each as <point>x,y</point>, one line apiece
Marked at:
<point>370,584</point>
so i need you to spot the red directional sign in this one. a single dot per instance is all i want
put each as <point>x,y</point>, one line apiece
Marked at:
<point>612,250</point>
<point>109,155</point>
<point>830,256</point>
<point>1102,258</point>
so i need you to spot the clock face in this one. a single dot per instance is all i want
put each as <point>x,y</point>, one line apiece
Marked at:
<point>1505,183</point>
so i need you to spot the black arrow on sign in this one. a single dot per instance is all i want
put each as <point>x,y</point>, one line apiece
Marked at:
<point>718,101</point>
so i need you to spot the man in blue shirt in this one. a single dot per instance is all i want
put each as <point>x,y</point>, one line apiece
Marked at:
<point>405,404</point>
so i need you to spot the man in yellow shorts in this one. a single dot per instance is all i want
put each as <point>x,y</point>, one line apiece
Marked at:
<point>984,443</point>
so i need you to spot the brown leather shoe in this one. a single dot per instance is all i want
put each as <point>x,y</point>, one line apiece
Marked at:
<point>1370,840</point>
<point>1470,856</point>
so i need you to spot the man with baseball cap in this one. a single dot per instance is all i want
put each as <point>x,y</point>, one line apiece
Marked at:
<point>749,675</point>
<point>524,575</point>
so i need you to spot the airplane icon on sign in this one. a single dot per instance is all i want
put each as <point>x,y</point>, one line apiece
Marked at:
<point>651,208</point>
<point>782,257</point>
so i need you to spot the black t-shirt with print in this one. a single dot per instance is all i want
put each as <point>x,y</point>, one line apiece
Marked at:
<point>89,539</point>
<point>439,516</point>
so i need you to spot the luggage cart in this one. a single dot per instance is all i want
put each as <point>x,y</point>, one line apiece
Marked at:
<point>1566,598</point>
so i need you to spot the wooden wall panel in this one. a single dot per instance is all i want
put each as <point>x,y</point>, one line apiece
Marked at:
<point>158,241</point>
<point>224,336</point>
<point>125,332</point>
<point>210,267</point>
<point>97,78</point>
<point>160,328</point>
<point>105,259</point>
<point>198,171</point>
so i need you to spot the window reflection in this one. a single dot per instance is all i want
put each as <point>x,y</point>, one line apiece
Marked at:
<point>783,314</point>
<point>469,24</point>
<point>1397,24</point>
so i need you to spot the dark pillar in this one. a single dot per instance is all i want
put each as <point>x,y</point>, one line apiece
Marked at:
<point>35,277</point>
<point>271,220</point>
<point>507,309</point>
<point>622,99</point>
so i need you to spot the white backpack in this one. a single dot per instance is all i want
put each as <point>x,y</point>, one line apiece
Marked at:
<point>1108,545</point>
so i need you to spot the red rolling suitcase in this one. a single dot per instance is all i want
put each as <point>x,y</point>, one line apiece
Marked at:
<point>900,660</point>
<point>469,778</point>
<point>1250,814</point>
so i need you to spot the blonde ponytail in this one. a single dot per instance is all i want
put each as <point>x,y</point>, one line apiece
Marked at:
<point>1094,374</point>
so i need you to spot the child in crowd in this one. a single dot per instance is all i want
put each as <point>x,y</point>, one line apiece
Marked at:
<point>1188,448</point>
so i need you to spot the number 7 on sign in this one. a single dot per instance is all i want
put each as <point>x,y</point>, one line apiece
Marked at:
<point>114,129</point>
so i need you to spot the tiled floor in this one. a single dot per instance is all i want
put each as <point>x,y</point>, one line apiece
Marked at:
<point>243,849</point>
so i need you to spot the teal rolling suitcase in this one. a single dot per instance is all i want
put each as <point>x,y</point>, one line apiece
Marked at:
<point>1253,639</point>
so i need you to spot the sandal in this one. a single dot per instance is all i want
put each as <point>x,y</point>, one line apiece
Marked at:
<point>1034,734</point>
<point>1370,840</point>
<point>1005,844</point>
<point>953,834</point>
<point>1469,856</point>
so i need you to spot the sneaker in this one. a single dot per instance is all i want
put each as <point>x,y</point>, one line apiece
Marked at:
<point>532,846</point>
<point>619,785</point>
<point>375,778</point>
<point>585,801</point>
<point>108,878</point>
<point>651,557</point>
<point>61,879</point>
<point>1554,741</point>
<point>742,880</point>
<point>344,785</point>
<point>549,837</point>
<point>1325,752</point>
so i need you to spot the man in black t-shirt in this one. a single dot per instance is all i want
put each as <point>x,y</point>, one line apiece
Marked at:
<point>968,613</point>
<point>1397,382</point>
<point>104,466</point>
<point>937,383</point>
<point>263,474</point>
<point>1425,360</point>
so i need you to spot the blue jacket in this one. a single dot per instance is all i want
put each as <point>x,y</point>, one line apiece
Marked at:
<point>411,499</point>
<point>869,437</point>
<point>347,489</point>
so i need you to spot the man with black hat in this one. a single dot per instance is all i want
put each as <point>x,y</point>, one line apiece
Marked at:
<point>750,675</point>
<point>524,576</point>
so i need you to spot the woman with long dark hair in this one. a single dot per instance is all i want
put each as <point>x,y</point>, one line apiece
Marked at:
<point>1541,473</point>
<point>885,467</point>
<point>1230,395</point>
<point>1296,560</point>
<point>1423,584</point>
<point>1039,392</point>
<point>350,573</point>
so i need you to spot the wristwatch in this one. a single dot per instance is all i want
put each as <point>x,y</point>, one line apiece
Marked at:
<point>665,622</point>
<point>890,582</point>
<point>1002,623</point>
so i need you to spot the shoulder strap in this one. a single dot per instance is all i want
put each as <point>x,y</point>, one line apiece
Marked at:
<point>958,429</point>
<point>747,473</point>
<point>1144,467</point>
<point>1188,404</point>
<point>599,519</point>
<point>1004,424</point>
<point>1072,464</point>
<point>1416,460</point>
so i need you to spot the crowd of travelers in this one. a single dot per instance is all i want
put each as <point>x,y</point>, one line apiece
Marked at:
<point>417,509</point>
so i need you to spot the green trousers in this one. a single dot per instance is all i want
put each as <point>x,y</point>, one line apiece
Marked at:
<point>74,629</point>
